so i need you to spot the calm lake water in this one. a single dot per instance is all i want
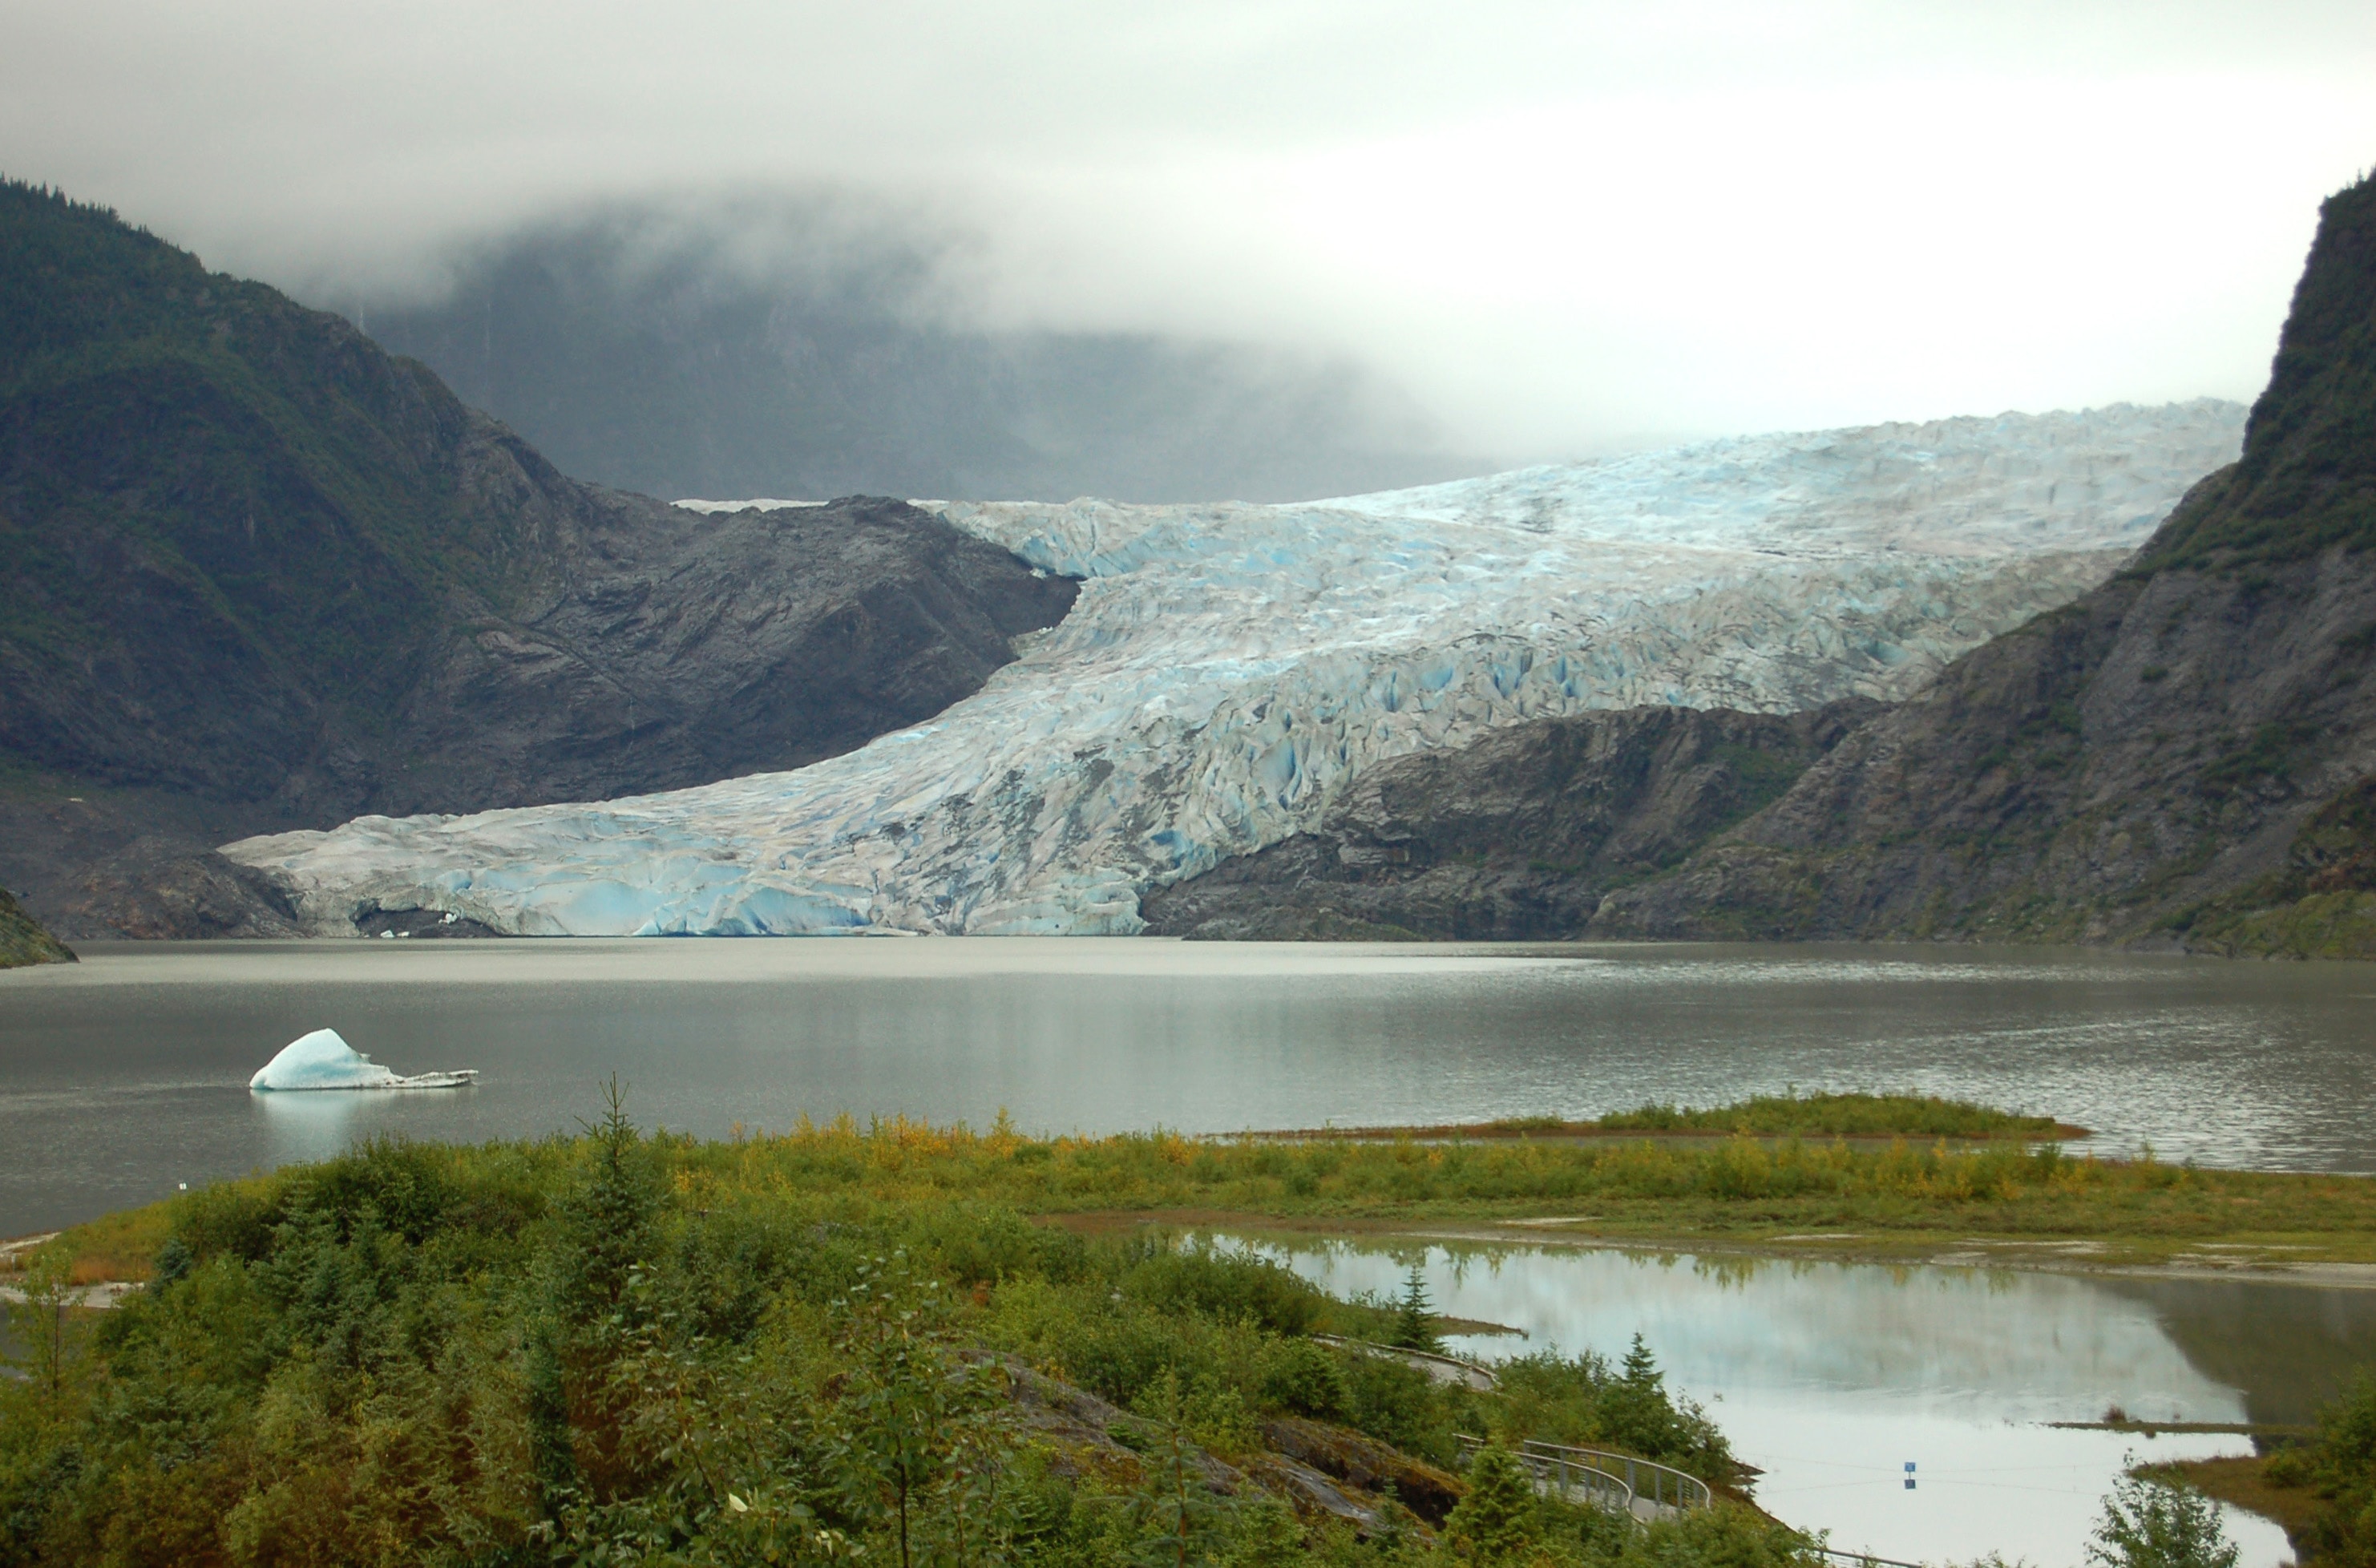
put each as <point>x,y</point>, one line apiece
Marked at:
<point>125,1075</point>
<point>1831,1378</point>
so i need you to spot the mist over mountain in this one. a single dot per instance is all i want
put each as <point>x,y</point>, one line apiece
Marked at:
<point>255,572</point>
<point>776,353</point>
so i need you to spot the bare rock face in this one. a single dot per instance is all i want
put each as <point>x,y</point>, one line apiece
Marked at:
<point>2184,757</point>
<point>1518,835</point>
<point>260,575</point>
<point>162,887</point>
<point>681,648</point>
<point>2129,769</point>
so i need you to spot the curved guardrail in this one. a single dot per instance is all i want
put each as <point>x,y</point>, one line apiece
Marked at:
<point>1662,1487</point>
<point>1443,1369</point>
<point>1575,1480</point>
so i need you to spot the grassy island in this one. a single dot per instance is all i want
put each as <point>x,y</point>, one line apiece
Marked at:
<point>909,1344</point>
<point>1769,1115</point>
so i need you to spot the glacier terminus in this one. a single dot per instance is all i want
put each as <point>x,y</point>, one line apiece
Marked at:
<point>1228,668</point>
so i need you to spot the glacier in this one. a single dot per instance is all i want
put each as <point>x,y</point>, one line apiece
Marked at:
<point>1228,668</point>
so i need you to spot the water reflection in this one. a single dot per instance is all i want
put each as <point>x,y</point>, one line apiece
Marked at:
<point>1831,1377</point>
<point>128,1073</point>
<point>324,1124</point>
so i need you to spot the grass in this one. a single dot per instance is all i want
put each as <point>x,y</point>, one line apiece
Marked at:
<point>1843,1115</point>
<point>2242,1481</point>
<point>22,939</point>
<point>1854,1115</point>
<point>595,1338</point>
<point>827,1345</point>
<point>1893,1198</point>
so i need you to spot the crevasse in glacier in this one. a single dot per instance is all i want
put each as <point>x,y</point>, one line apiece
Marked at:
<point>1228,668</point>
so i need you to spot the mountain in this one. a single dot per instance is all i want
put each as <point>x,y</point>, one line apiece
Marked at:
<point>22,940</point>
<point>1517,834</point>
<point>257,572</point>
<point>764,351</point>
<point>2186,756</point>
<point>2183,756</point>
<point>1230,670</point>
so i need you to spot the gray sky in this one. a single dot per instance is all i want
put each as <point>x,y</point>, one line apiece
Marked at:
<point>1562,225</point>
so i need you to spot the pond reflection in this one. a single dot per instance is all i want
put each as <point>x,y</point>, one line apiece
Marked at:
<point>1833,1377</point>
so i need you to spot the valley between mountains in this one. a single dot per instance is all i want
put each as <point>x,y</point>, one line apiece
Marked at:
<point>322,650</point>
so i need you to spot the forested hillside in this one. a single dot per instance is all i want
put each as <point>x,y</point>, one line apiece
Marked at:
<point>255,573</point>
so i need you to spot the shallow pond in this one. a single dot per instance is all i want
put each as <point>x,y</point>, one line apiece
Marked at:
<point>1833,1378</point>
<point>125,1075</point>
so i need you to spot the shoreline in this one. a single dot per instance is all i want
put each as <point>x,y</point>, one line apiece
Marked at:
<point>2042,1256</point>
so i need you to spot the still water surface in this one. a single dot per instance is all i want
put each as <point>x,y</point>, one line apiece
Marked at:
<point>1831,1378</point>
<point>126,1075</point>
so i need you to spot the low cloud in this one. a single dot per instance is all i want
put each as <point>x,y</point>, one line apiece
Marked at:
<point>1559,226</point>
<point>801,349</point>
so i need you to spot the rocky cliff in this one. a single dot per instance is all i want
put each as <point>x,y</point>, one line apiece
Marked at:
<point>1229,671</point>
<point>1518,835</point>
<point>2186,756</point>
<point>22,940</point>
<point>255,573</point>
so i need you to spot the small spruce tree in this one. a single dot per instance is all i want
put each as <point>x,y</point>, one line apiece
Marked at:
<point>1498,1518</point>
<point>1415,1319</point>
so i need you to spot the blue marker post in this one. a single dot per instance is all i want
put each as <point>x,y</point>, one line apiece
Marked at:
<point>1909,1474</point>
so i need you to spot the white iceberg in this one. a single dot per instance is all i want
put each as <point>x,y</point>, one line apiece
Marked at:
<point>1228,670</point>
<point>323,1060</point>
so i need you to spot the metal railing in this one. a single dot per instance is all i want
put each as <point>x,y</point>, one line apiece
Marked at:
<point>1601,1474</point>
<point>1443,1369</point>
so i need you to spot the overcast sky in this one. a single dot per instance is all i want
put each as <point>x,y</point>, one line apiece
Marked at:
<point>1562,225</point>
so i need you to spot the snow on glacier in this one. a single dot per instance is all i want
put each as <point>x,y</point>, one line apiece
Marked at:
<point>1226,669</point>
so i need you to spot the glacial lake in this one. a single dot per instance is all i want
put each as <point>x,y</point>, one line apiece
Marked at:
<point>126,1075</point>
<point>1833,1378</point>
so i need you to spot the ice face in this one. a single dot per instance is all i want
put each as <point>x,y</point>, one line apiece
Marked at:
<point>322,1060</point>
<point>1228,669</point>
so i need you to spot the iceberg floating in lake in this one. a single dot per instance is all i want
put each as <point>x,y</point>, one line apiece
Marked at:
<point>323,1060</point>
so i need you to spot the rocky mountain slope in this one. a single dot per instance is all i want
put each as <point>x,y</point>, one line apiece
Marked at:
<point>1229,671</point>
<point>255,573</point>
<point>22,940</point>
<point>2185,756</point>
<point>1515,835</point>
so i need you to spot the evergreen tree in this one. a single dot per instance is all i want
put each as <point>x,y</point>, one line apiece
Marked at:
<point>1497,1520</point>
<point>1414,1321</point>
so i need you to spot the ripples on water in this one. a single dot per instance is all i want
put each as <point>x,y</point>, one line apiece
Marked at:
<point>125,1075</point>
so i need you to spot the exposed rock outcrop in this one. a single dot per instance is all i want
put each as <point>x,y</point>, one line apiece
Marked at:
<point>1515,836</point>
<point>249,560</point>
<point>2125,769</point>
<point>2186,756</point>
